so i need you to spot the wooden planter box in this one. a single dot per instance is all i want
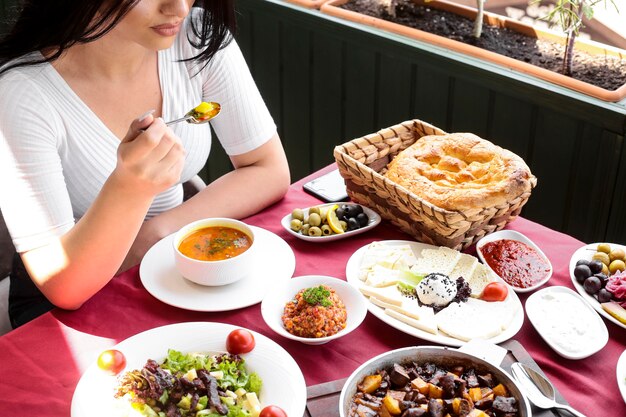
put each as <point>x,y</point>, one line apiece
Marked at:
<point>327,80</point>
<point>333,7</point>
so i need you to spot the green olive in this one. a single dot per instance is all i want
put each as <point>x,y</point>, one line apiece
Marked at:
<point>617,265</point>
<point>305,229</point>
<point>344,225</point>
<point>314,210</point>
<point>604,247</point>
<point>297,214</point>
<point>315,219</point>
<point>602,257</point>
<point>617,254</point>
<point>315,231</point>
<point>296,225</point>
<point>326,230</point>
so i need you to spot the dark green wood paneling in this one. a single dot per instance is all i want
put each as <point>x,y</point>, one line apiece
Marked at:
<point>432,87</point>
<point>551,160</point>
<point>295,115</point>
<point>395,89</point>
<point>470,108</point>
<point>326,105</point>
<point>511,124</point>
<point>592,182</point>
<point>616,227</point>
<point>359,89</point>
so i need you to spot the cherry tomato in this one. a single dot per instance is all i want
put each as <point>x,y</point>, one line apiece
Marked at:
<point>495,291</point>
<point>239,341</point>
<point>112,361</point>
<point>272,411</point>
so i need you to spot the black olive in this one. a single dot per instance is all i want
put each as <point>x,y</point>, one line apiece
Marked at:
<point>353,223</point>
<point>604,296</point>
<point>595,266</point>
<point>582,272</point>
<point>362,219</point>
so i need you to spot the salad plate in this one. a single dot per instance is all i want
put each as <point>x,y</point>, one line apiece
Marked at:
<point>586,252</point>
<point>275,260</point>
<point>621,374</point>
<point>282,380</point>
<point>352,276</point>
<point>374,220</point>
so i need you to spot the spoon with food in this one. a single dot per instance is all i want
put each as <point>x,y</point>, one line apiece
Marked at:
<point>538,389</point>
<point>202,113</point>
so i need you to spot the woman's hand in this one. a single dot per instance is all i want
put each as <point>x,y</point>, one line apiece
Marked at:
<point>150,158</point>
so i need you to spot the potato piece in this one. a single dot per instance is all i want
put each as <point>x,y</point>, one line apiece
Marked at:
<point>456,404</point>
<point>392,405</point>
<point>475,394</point>
<point>500,391</point>
<point>477,413</point>
<point>420,385</point>
<point>384,412</point>
<point>370,383</point>
<point>485,392</point>
<point>434,391</point>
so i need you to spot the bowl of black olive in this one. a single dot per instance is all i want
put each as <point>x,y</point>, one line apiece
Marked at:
<point>430,381</point>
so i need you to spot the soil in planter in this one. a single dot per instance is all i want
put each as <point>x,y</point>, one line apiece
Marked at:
<point>603,71</point>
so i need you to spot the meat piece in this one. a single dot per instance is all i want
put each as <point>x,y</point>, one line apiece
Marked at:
<point>446,383</point>
<point>363,411</point>
<point>484,403</point>
<point>399,376</point>
<point>436,408</point>
<point>505,405</point>
<point>472,380</point>
<point>464,408</point>
<point>414,412</point>
<point>211,385</point>
<point>486,380</point>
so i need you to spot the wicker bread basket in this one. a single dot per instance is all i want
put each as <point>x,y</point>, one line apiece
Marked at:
<point>362,162</point>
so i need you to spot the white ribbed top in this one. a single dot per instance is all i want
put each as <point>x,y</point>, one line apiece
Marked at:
<point>55,154</point>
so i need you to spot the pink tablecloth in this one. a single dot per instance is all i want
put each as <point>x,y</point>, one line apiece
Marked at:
<point>41,362</point>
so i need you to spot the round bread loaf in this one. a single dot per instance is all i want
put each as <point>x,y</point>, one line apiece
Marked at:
<point>460,171</point>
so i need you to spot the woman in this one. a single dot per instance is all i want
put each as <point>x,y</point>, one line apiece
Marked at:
<point>87,185</point>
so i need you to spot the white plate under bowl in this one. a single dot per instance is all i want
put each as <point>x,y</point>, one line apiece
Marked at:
<point>275,260</point>
<point>352,275</point>
<point>374,220</point>
<point>273,305</point>
<point>553,325</point>
<point>620,371</point>
<point>283,382</point>
<point>586,252</point>
<point>513,235</point>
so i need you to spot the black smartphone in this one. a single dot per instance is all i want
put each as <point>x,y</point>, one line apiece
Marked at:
<point>329,187</point>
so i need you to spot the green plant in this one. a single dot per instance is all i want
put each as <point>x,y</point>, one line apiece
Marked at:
<point>568,14</point>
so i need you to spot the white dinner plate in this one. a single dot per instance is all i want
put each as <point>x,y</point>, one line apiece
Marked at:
<point>374,220</point>
<point>621,374</point>
<point>283,382</point>
<point>275,264</point>
<point>575,320</point>
<point>352,276</point>
<point>513,235</point>
<point>585,253</point>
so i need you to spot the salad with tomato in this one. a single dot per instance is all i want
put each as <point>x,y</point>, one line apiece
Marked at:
<point>197,385</point>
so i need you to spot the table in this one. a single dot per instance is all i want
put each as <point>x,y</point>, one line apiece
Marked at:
<point>42,361</point>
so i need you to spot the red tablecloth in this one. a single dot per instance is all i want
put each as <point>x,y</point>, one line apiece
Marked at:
<point>41,362</point>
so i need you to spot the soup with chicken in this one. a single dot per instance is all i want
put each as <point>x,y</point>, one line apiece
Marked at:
<point>215,243</point>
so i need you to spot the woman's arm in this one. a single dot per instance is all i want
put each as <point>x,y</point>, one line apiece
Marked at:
<point>76,266</point>
<point>261,177</point>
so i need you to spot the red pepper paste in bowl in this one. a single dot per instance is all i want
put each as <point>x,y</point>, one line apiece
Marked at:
<point>517,263</point>
<point>315,312</point>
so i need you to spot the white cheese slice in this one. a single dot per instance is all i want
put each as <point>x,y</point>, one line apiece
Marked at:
<point>464,267</point>
<point>389,295</point>
<point>473,319</point>
<point>441,260</point>
<point>426,323</point>
<point>479,279</point>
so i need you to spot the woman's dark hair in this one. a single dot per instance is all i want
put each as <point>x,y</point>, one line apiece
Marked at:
<point>54,26</point>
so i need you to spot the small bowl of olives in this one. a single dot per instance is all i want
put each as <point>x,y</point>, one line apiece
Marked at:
<point>326,222</point>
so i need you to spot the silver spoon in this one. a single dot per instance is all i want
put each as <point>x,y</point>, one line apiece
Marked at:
<point>538,389</point>
<point>193,116</point>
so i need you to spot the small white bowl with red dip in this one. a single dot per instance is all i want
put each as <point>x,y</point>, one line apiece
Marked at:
<point>516,259</point>
<point>214,251</point>
<point>300,310</point>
